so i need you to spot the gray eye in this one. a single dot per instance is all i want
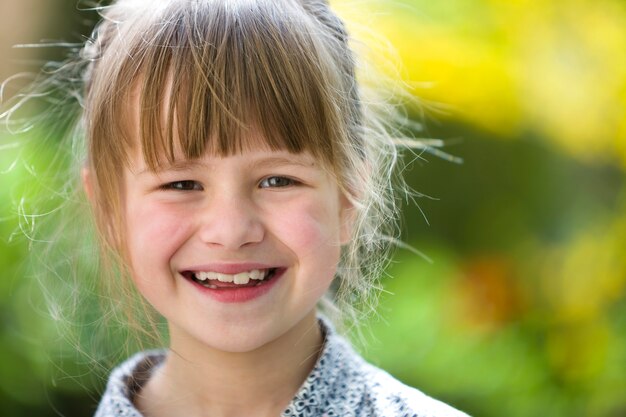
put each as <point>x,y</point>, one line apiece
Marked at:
<point>276,182</point>
<point>186,185</point>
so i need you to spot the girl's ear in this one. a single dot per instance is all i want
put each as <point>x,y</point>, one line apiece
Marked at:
<point>347,218</point>
<point>85,175</point>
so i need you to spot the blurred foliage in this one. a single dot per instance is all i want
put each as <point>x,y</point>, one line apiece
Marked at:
<point>556,68</point>
<point>522,310</point>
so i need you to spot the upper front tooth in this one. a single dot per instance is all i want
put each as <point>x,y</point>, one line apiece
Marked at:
<point>224,277</point>
<point>242,278</point>
<point>256,274</point>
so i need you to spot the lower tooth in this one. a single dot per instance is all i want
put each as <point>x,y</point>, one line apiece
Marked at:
<point>206,284</point>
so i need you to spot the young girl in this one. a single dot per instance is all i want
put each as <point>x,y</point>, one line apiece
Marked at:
<point>240,182</point>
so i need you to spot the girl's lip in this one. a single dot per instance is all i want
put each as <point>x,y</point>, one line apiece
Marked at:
<point>239,294</point>
<point>229,268</point>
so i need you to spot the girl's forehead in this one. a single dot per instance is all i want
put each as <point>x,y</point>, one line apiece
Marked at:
<point>253,145</point>
<point>255,151</point>
<point>174,151</point>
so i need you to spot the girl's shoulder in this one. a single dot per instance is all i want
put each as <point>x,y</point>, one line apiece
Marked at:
<point>386,396</point>
<point>344,384</point>
<point>125,382</point>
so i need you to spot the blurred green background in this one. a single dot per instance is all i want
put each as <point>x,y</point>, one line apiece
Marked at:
<point>522,310</point>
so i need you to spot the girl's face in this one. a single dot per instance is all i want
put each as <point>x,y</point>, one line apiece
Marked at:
<point>234,251</point>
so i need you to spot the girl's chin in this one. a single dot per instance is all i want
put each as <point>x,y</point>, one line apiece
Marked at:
<point>237,337</point>
<point>234,341</point>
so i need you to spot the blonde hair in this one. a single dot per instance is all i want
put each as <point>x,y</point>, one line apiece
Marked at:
<point>205,72</point>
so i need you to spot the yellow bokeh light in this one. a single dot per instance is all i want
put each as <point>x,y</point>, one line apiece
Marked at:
<point>557,69</point>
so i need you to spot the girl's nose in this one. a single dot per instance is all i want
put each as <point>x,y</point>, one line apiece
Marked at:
<point>230,222</point>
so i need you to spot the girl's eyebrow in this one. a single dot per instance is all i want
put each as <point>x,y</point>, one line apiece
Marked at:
<point>276,161</point>
<point>174,166</point>
<point>262,162</point>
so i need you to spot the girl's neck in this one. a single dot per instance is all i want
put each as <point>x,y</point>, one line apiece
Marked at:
<point>224,384</point>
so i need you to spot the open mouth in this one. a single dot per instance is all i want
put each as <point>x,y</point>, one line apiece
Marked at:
<point>216,280</point>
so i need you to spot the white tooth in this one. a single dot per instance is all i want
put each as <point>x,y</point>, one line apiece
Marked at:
<point>256,274</point>
<point>242,278</point>
<point>211,275</point>
<point>224,277</point>
<point>201,276</point>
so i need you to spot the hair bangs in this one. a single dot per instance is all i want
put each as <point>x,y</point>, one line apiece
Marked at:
<point>205,84</point>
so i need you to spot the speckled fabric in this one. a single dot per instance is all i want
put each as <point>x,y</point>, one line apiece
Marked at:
<point>340,384</point>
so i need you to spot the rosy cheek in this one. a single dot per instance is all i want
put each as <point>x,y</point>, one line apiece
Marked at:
<point>156,230</point>
<point>307,226</point>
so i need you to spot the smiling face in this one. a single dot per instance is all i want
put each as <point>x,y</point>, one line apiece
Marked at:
<point>272,218</point>
<point>158,90</point>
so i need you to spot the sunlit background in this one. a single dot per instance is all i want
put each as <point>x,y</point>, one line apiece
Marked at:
<point>522,310</point>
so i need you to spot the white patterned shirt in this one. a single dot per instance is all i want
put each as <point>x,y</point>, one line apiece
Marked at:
<point>340,384</point>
